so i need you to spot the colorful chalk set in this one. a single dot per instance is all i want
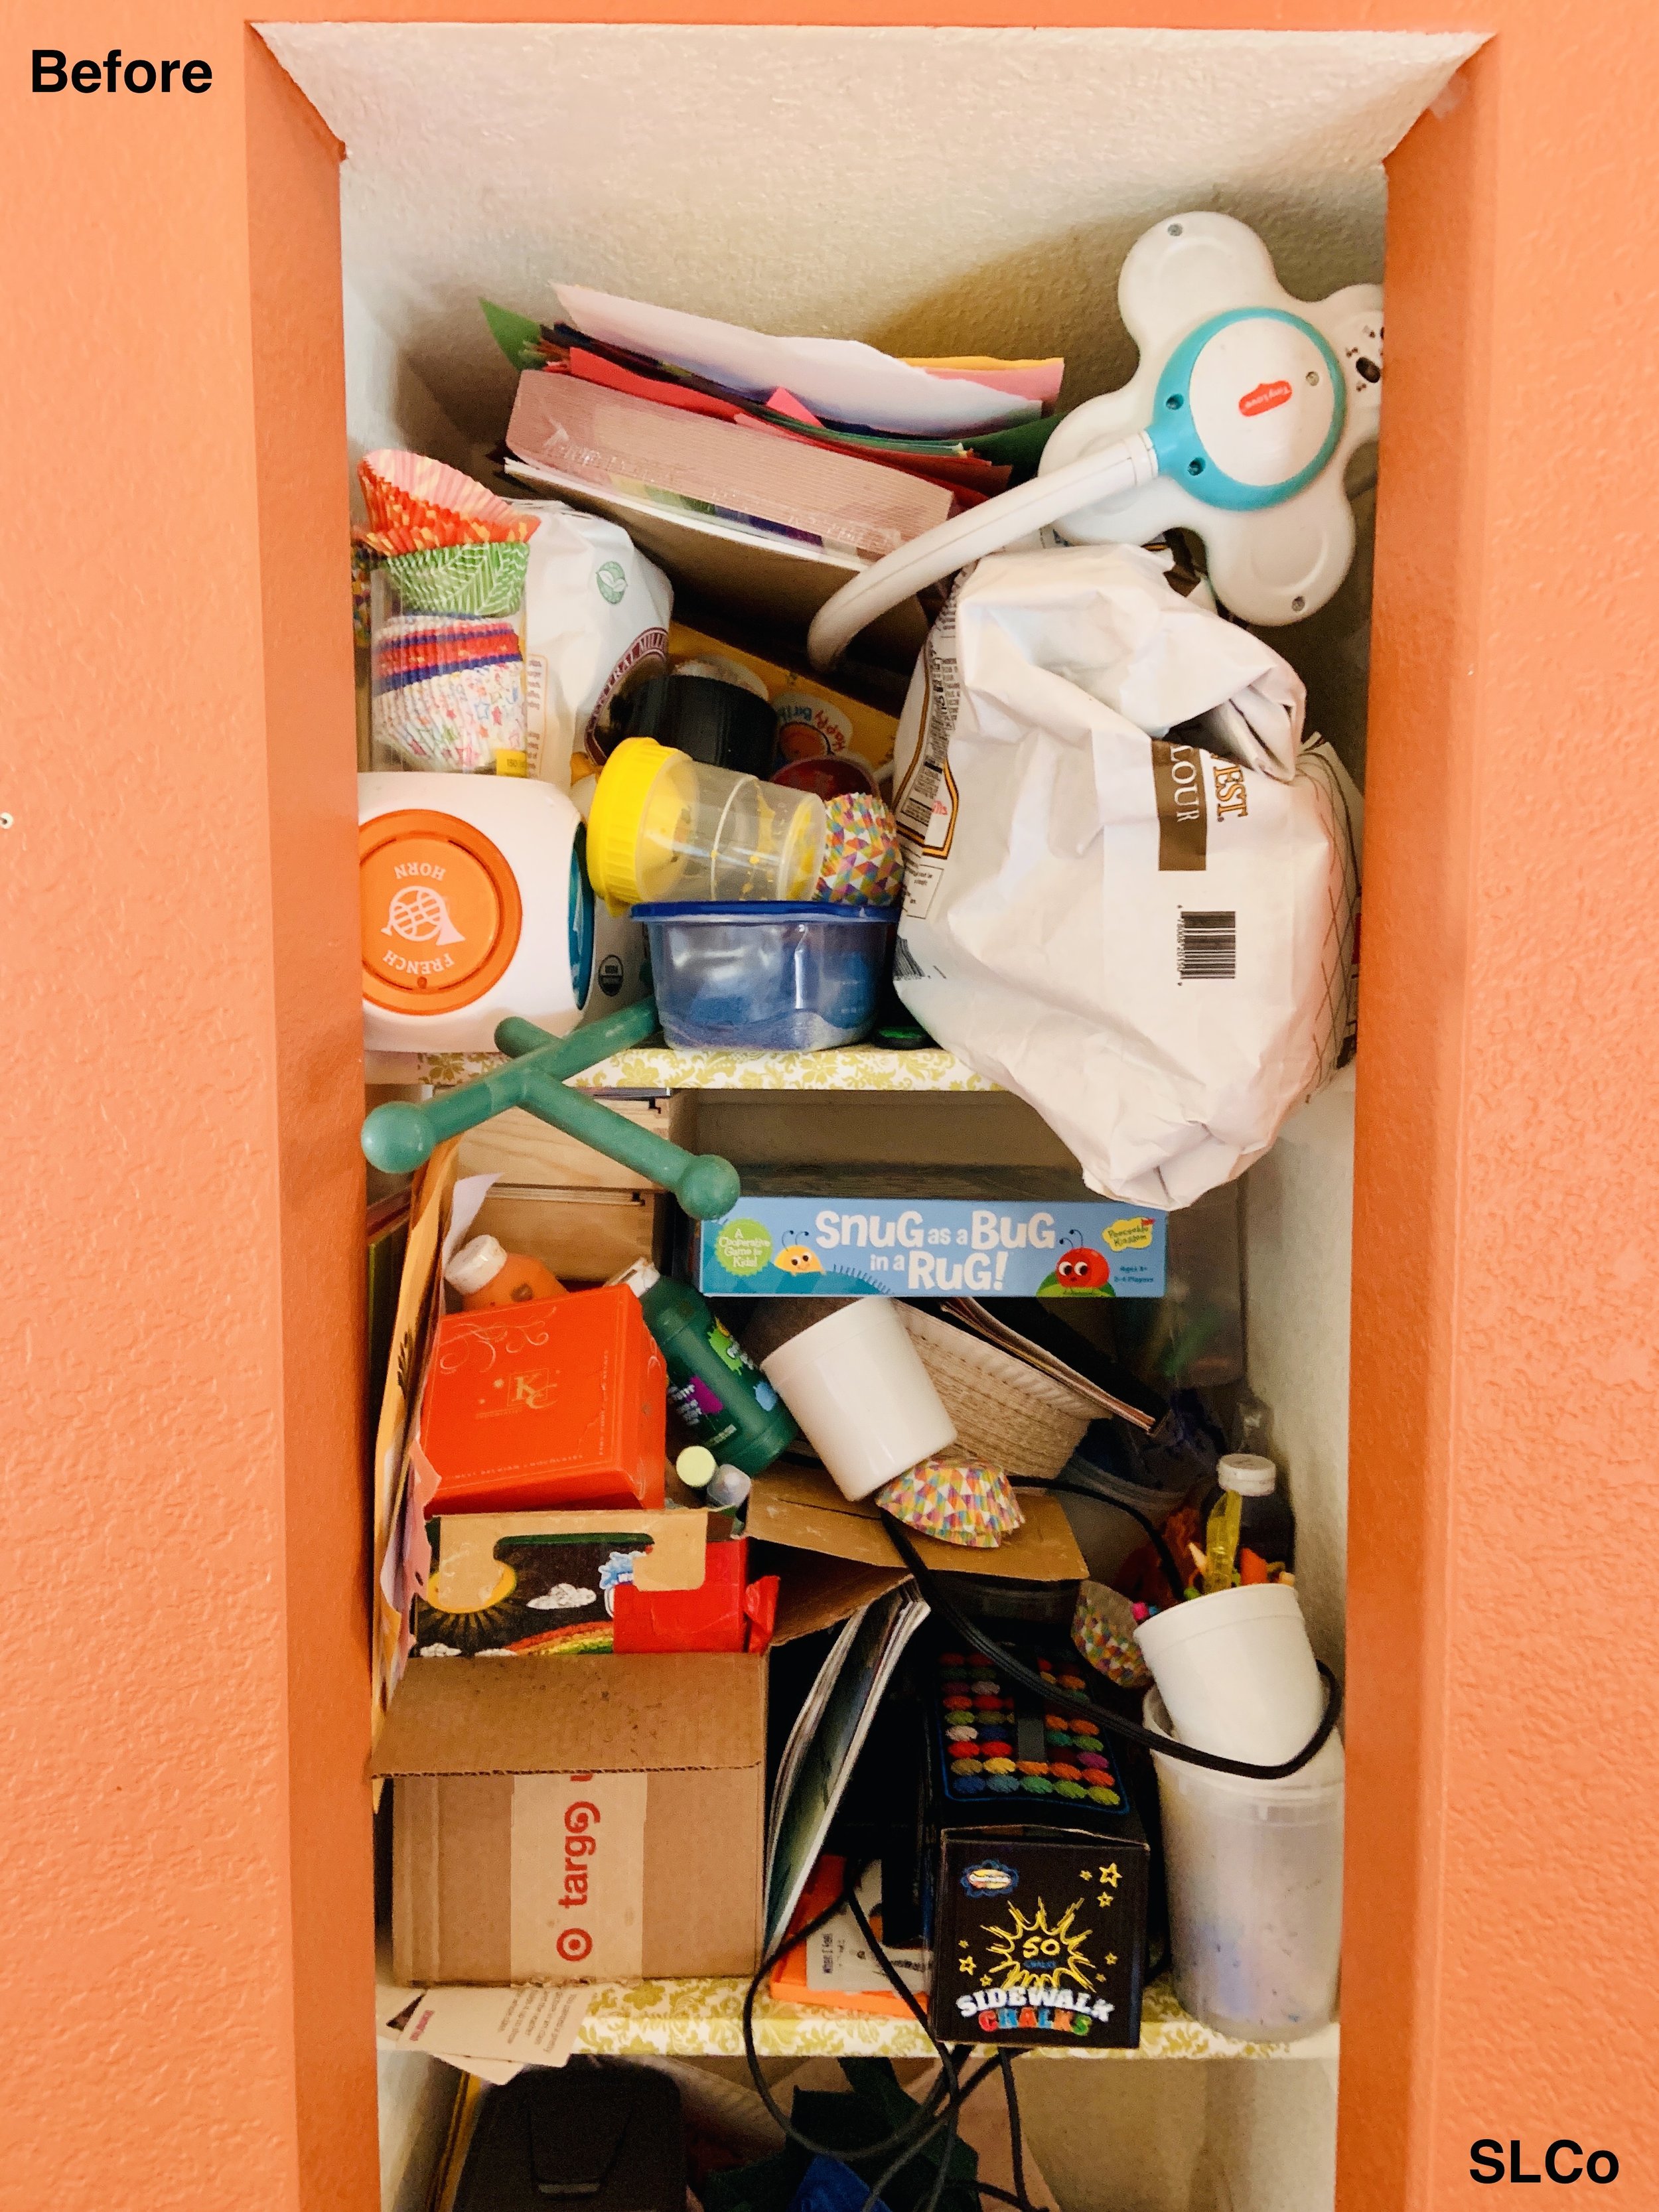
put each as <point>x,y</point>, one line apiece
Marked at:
<point>643,1402</point>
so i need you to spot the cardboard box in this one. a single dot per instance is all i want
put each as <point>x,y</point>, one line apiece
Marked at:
<point>1038,1866</point>
<point>799,1506</point>
<point>576,1819</point>
<point>585,1236</point>
<point>930,1233</point>
<point>524,1150</point>
<point>588,1817</point>
<point>546,1584</point>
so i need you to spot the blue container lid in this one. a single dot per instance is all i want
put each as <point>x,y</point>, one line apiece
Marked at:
<point>761,910</point>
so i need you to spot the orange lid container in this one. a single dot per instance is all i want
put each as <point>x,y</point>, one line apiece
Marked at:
<point>559,1403</point>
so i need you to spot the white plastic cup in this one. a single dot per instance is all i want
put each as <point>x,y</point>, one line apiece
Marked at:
<point>1254,1872</point>
<point>1236,1673</point>
<point>863,1399</point>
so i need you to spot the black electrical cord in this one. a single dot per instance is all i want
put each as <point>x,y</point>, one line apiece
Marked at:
<point>1016,2134</point>
<point>932,1588</point>
<point>938,2112</point>
<point>1172,1574</point>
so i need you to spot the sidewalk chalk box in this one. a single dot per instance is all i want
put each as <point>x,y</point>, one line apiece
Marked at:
<point>1036,1864</point>
<point>840,1246</point>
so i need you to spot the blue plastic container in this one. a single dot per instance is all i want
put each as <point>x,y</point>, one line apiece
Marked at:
<point>768,977</point>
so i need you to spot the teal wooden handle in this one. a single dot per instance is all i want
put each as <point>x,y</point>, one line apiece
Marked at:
<point>401,1135</point>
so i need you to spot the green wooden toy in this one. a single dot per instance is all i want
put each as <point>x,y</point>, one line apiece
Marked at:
<point>400,1136</point>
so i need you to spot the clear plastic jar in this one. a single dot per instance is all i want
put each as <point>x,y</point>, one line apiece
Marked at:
<point>664,827</point>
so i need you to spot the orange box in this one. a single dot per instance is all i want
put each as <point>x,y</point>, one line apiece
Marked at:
<point>561,1402</point>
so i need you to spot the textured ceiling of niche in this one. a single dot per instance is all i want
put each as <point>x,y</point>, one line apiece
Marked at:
<point>930,191</point>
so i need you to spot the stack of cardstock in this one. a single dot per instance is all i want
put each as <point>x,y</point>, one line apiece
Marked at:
<point>977,461</point>
<point>612,439</point>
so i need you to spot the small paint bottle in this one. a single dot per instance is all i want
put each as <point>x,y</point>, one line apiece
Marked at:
<point>486,1274</point>
<point>722,1400</point>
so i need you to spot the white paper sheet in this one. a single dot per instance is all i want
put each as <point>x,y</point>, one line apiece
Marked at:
<point>840,379</point>
<point>532,2025</point>
<point>464,1202</point>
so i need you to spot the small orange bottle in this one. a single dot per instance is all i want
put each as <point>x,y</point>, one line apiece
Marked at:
<point>486,1274</point>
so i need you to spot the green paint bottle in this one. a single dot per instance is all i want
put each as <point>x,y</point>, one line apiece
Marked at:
<point>723,1400</point>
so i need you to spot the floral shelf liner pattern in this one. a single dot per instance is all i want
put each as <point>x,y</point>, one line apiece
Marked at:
<point>704,2018</point>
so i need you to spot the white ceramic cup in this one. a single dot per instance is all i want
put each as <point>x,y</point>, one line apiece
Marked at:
<point>1237,1673</point>
<point>865,1402</point>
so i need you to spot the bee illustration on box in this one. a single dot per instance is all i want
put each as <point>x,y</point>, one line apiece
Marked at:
<point>796,1260</point>
<point>1079,1273</point>
<point>799,1260</point>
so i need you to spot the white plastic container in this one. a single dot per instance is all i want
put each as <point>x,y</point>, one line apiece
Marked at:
<point>1254,1872</point>
<point>1105,1533</point>
<point>475,903</point>
<point>1236,1672</point>
<point>864,1401</point>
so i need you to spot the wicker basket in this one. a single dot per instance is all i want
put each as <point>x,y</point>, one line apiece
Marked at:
<point>1006,1412</point>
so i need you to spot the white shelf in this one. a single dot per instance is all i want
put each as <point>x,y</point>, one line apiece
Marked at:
<point>703,2019</point>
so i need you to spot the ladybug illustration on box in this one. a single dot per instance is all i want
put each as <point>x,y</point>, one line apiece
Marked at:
<point>1079,1273</point>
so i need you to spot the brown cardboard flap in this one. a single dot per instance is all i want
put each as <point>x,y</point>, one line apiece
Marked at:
<point>469,1577</point>
<point>601,1711</point>
<point>802,1507</point>
<point>815,1591</point>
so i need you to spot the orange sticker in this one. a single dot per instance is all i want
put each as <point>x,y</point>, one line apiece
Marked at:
<point>1264,397</point>
<point>440,912</point>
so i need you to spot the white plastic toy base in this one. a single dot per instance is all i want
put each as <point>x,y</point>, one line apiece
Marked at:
<point>533,825</point>
<point>1258,402</point>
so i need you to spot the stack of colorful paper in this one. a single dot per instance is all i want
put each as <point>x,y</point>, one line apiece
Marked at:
<point>965,429</point>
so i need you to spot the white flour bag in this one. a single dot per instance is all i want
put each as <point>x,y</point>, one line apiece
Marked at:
<point>595,613</point>
<point>1131,892</point>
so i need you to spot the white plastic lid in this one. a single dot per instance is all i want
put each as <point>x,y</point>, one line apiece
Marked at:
<point>1247,1473</point>
<point>640,1278</point>
<point>695,1465</point>
<point>730,1487</point>
<point>474,1265</point>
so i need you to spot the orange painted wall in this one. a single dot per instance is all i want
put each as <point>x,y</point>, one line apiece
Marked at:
<point>187,1871</point>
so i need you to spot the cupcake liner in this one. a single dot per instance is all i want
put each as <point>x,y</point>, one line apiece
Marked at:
<point>461,579</point>
<point>416,505</point>
<point>863,864</point>
<point>448,692</point>
<point>959,1501</point>
<point>436,532</point>
<point>1104,1630</point>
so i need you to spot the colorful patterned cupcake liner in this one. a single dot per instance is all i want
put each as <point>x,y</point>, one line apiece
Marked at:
<point>1104,1630</point>
<point>414,504</point>
<point>863,864</point>
<point>461,579</point>
<point>959,1501</point>
<point>448,694</point>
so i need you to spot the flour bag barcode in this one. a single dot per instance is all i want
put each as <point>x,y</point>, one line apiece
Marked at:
<point>1206,945</point>
<point>905,962</point>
